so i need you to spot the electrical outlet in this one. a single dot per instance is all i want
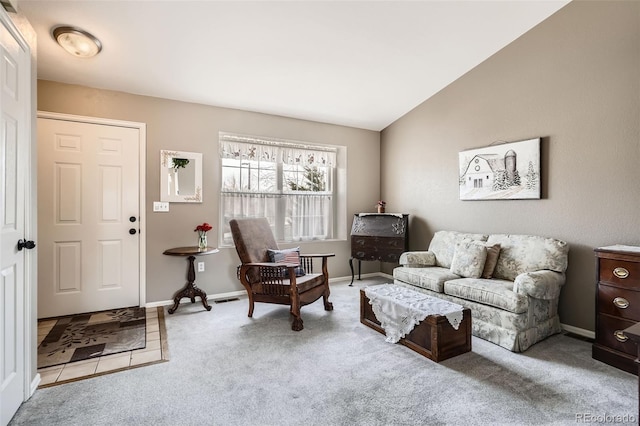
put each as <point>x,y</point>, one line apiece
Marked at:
<point>200,266</point>
<point>160,206</point>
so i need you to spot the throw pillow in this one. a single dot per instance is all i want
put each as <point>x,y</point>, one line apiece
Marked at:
<point>492,259</point>
<point>291,255</point>
<point>468,259</point>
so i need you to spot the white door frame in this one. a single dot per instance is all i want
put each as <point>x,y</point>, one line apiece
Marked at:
<point>142,128</point>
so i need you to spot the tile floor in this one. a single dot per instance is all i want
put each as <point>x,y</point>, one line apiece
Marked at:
<point>155,351</point>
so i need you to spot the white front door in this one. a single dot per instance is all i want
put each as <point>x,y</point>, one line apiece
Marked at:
<point>88,217</point>
<point>14,167</point>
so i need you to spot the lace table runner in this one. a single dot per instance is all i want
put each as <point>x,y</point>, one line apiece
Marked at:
<point>399,309</point>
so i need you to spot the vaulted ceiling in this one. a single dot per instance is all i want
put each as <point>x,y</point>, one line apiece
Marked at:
<point>355,63</point>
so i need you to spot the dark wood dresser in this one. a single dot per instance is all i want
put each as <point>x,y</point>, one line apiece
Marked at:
<point>378,236</point>
<point>617,305</point>
<point>633,333</point>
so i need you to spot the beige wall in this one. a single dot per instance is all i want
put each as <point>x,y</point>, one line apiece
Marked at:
<point>192,127</point>
<point>574,80</point>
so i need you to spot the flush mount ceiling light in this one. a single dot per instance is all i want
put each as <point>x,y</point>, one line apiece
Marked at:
<point>77,42</point>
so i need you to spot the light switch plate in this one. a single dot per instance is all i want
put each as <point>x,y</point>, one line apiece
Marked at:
<point>160,206</point>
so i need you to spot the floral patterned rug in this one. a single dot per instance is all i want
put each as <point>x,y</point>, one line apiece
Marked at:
<point>83,336</point>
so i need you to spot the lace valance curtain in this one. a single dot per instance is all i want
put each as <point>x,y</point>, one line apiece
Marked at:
<point>279,151</point>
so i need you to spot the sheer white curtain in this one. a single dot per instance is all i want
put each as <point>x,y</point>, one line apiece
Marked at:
<point>247,205</point>
<point>309,217</point>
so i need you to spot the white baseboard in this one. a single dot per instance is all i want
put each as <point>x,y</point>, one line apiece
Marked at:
<point>579,331</point>
<point>210,298</point>
<point>241,293</point>
<point>34,384</point>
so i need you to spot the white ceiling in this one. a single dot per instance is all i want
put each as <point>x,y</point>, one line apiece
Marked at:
<point>355,63</point>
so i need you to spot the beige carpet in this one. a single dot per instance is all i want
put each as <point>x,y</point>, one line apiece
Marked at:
<point>228,369</point>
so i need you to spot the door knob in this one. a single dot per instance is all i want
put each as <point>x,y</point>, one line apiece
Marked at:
<point>132,231</point>
<point>25,244</point>
<point>132,219</point>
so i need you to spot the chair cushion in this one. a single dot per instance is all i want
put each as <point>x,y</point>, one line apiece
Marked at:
<point>252,238</point>
<point>309,281</point>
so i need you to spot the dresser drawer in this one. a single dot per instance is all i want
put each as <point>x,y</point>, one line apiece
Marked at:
<point>619,302</point>
<point>620,273</point>
<point>609,333</point>
<point>377,248</point>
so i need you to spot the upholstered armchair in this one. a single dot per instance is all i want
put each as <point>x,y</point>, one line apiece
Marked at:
<point>271,275</point>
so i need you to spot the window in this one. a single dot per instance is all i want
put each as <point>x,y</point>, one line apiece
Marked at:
<point>289,183</point>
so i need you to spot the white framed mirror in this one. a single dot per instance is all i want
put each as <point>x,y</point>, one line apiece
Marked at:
<point>180,176</point>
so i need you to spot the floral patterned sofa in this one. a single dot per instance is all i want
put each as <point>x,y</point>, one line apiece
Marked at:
<point>511,283</point>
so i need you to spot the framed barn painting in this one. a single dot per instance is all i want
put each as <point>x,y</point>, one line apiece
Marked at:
<point>509,171</point>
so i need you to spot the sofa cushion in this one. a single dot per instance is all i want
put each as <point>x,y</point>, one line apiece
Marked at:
<point>528,253</point>
<point>497,293</point>
<point>469,259</point>
<point>443,245</point>
<point>493,252</point>
<point>430,278</point>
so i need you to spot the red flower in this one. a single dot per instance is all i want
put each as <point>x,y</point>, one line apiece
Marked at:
<point>204,227</point>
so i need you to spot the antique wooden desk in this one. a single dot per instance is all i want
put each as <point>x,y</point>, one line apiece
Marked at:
<point>378,236</point>
<point>190,290</point>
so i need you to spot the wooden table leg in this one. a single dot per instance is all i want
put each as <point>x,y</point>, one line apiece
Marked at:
<point>190,290</point>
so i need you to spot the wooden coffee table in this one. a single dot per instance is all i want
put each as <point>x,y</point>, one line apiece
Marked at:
<point>433,338</point>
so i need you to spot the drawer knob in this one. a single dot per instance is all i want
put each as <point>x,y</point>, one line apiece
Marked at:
<point>620,336</point>
<point>621,272</point>
<point>621,302</point>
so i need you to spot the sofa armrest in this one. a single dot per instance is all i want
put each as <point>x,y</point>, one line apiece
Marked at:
<point>417,259</point>
<point>539,284</point>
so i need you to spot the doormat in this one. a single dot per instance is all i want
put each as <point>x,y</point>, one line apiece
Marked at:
<point>84,336</point>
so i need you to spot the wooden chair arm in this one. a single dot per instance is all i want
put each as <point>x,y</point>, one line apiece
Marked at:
<point>306,260</point>
<point>318,255</point>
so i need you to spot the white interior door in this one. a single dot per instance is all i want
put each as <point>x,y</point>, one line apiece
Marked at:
<point>14,142</point>
<point>88,217</point>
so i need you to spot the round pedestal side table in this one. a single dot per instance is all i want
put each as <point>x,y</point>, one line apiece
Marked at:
<point>190,290</point>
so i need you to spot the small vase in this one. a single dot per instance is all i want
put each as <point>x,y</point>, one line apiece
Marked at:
<point>202,241</point>
<point>380,209</point>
